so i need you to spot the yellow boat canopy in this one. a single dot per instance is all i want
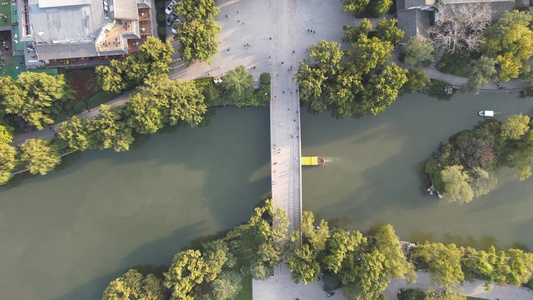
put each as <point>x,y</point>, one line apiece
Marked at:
<point>310,161</point>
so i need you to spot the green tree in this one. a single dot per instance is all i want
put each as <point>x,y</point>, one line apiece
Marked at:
<point>515,127</point>
<point>302,260</point>
<point>238,86</point>
<point>352,33</point>
<point>387,30</point>
<point>227,285</point>
<point>520,267</point>
<point>482,182</point>
<point>6,134</point>
<point>161,101</point>
<point>446,294</point>
<point>197,9</point>
<point>188,270</point>
<point>482,71</point>
<point>153,59</point>
<point>381,261</point>
<point>383,89</point>
<point>260,271</point>
<point>366,54</point>
<point>217,255</point>
<point>456,186</point>
<point>510,42</point>
<point>326,56</point>
<point>75,132</point>
<point>418,52</point>
<point>112,78</point>
<point>35,97</point>
<point>8,161</point>
<point>39,155</point>
<point>341,245</point>
<point>133,285</point>
<point>355,7</point>
<point>109,130</point>
<point>417,80</point>
<point>198,39</point>
<point>442,261</point>
<point>312,83</point>
<point>378,7</point>
<point>524,172</point>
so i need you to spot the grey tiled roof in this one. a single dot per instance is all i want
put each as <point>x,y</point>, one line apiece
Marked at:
<point>407,23</point>
<point>65,51</point>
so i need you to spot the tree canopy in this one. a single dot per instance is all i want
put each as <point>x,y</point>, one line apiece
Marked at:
<point>227,285</point>
<point>510,42</point>
<point>374,8</point>
<point>464,167</point>
<point>153,58</point>
<point>35,97</point>
<point>418,51</point>
<point>105,131</point>
<point>442,261</point>
<point>40,156</point>
<point>6,134</point>
<point>162,101</point>
<point>197,34</point>
<point>456,187</point>
<point>238,85</point>
<point>8,161</point>
<point>133,285</point>
<point>515,127</point>
<point>356,81</point>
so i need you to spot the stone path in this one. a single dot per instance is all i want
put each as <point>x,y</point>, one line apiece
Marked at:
<point>281,287</point>
<point>475,289</point>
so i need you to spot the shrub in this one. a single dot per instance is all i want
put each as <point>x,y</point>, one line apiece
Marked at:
<point>160,18</point>
<point>78,107</point>
<point>265,78</point>
<point>418,52</point>
<point>162,32</point>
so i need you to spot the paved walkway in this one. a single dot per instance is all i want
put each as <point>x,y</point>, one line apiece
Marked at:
<point>285,111</point>
<point>513,85</point>
<point>475,289</point>
<point>281,287</point>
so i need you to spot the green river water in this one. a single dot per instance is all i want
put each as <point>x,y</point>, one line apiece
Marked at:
<point>67,234</point>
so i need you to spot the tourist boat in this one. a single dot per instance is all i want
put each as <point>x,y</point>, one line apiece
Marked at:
<point>313,160</point>
<point>486,113</point>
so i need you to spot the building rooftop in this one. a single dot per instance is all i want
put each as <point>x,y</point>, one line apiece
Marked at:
<point>125,9</point>
<point>66,24</point>
<point>59,51</point>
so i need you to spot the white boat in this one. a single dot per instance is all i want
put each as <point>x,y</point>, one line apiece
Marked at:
<point>486,113</point>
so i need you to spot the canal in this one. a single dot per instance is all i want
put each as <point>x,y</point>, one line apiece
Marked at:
<point>67,234</point>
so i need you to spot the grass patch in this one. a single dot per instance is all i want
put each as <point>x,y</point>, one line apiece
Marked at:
<point>99,98</point>
<point>457,64</point>
<point>474,298</point>
<point>51,72</point>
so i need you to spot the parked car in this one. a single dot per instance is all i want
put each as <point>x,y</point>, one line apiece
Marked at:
<point>171,19</point>
<point>170,7</point>
<point>174,31</point>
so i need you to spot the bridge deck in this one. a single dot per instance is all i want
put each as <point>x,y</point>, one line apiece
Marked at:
<point>285,111</point>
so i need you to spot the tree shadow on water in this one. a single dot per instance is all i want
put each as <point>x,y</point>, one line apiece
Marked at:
<point>158,252</point>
